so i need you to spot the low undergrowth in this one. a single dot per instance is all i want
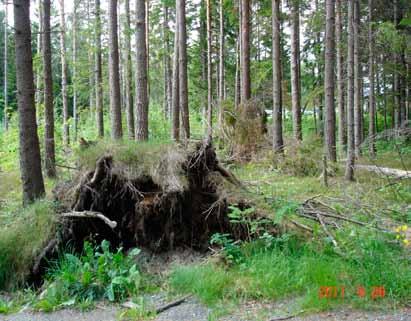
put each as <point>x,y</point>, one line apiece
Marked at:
<point>97,274</point>
<point>288,267</point>
<point>21,240</point>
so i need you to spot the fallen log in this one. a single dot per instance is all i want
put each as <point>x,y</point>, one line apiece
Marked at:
<point>386,171</point>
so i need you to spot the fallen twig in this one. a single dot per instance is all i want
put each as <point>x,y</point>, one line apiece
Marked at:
<point>68,167</point>
<point>326,230</point>
<point>172,304</point>
<point>91,214</point>
<point>304,227</point>
<point>288,317</point>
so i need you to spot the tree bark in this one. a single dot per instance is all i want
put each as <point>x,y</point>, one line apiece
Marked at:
<point>90,50</point>
<point>64,93</point>
<point>357,81</point>
<point>396,77</point>
<point>6,36</point>
<point>237,82</point>
<point>30,161</point>
<point>38,95</point>
<point>128,74</point>
<point>349,170</point>
<point>203,61</point>
<point>99,73</point>
<point>141,73</point>
<point>295,69</point>
<point>221,58</point>
<point>245,51</point>
<point>182,70</point>
<point>342,119</point>
<point>329,130</point>
<point>49,143</point>
<point>209,73</point>
<point>114,74</point>
<point>278,142</point>
<point>166,63</point>
<point>74,74</point>
<point>175,89</point>
<point>147,26</point>
<point>371,131</point>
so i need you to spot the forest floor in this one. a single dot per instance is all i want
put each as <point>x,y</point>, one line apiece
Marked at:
<point>256,281</point>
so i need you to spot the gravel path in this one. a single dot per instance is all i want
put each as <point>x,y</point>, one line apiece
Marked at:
<point>191,310</point>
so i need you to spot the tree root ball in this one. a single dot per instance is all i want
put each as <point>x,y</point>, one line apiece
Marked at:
<point>180,201</point>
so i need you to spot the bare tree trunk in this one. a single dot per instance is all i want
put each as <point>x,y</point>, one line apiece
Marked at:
<point>147,26</point>
<point>372,113</point>
<point>349,170</point>
<point>377,91</point>
<point>408,106</point>
<point>64,93</point>
<point>357,81</point>
<point>295,69</point>
<point>237,85</point>
<point>203,61</point>
<point>114,75</point>
<point>245,51</point>
<point>329,129</point>
<point>403,90</point>
<point>182,75</point>
<point>141,73</point>
<point>175,89</point>
<point>209,74</point>
<point>319,75</point>
<point>74,74</point>
<point>396,78</point>
<point>99,73</point>
<point>30,161</point>
<point>38,95</point>
<point>91,88</point>
<point>221,58</point>
<point>49,143</point>
<point>278,142</point>
<point>166,63</point>
<point>128,74</point>
<point>384,87</point>
<point>6,36</point>
<point>342,129</point>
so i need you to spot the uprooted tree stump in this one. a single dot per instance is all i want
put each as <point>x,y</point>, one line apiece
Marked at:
<point>180,201</point>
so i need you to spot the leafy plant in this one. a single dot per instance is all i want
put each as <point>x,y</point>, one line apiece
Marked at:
<point>98,273</point>
<point>231,249</point>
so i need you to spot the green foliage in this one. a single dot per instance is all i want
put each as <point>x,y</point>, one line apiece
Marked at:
<point>291,267</point>
<point>21,240</point>
<point>97,274</point>
<point>231,249</point>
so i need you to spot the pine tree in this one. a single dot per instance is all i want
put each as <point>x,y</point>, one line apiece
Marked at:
<point>30,161</point>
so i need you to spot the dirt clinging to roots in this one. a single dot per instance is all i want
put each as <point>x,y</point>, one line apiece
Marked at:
<point>181,203</point>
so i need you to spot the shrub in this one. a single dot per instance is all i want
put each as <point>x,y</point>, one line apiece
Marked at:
<point>97,274</point>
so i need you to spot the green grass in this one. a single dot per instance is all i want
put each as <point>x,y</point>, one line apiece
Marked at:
<point>296,270</point>
<point>21,240</point>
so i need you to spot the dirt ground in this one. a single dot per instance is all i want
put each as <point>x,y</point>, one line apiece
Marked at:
<point>191,310</point>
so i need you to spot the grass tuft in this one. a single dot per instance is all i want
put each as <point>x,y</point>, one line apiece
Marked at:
<point>22,239</point>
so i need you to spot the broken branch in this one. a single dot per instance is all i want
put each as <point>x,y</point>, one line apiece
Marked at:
<point>90,214</point>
